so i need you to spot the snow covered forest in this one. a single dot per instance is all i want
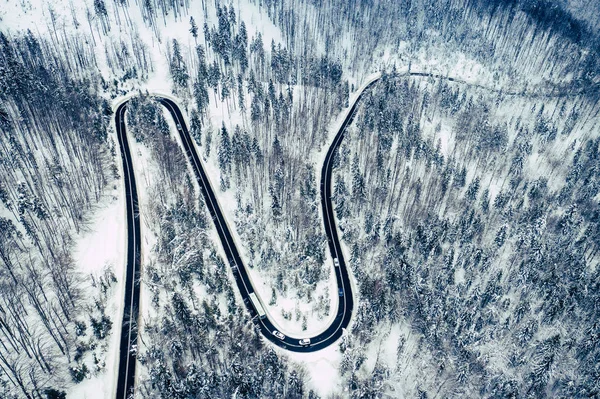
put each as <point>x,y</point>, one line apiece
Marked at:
<point>477,226</point>
<point>466,195</point>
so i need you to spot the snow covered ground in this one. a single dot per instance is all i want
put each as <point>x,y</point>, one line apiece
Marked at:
<point>105,246</point>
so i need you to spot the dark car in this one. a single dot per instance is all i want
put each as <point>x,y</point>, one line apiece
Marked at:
<point>341,292</point>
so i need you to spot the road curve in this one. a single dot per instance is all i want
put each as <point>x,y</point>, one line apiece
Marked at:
<point>127,361</point>
<point>128,342</point>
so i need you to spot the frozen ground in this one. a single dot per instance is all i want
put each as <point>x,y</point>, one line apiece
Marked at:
<point>104,246</point>
<point>105,243</point>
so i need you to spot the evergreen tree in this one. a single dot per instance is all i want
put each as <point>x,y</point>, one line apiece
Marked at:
<point>240,47</point>
<point>222,40</point>
<point>255,109</point>
<point>206,31</point>
<point>214,76</point>
<point>200,85</point>
<point>177,67</point>
<point>196,127</point>
<point>226,82</point>
<point>224,151</point>
<point>275,207</point>
<point>193,28</point>
<point>241,96</point>
<point>358,182</point>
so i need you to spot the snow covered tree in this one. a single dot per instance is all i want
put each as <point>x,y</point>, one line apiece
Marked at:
<point>224,151</point>
<point>193,28</point>
<point>177,67</point>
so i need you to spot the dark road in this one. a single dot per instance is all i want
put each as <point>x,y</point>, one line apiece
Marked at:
<point>128,342</point>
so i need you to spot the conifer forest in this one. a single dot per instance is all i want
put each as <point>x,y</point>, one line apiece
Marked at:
<point>299,199</point>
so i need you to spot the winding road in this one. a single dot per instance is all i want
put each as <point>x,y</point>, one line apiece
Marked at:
<point>129,334</point>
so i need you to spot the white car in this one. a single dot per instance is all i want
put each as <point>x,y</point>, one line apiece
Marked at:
<point>278,335</point>
<point>304,341</point>
<point>336,262</point>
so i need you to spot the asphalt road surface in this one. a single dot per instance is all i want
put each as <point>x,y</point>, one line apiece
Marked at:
<point>127,360</point>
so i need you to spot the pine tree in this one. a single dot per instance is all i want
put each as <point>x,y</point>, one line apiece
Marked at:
<point>177,66</point>
<point>472,190</point>
<point>255,109</point>
<point>275,207</point>
<point>201,96</point>
<point>241,96</point>
<point>214,76</point>
<point>193,28</point>
<point>225,86</point>
<point>200,85</point>
<point>208,142</point>
<point>240,47</point>
<point>222,40</point>
<point>100,8</point>
<point>196,127</point>
<point>224,152</point>
<point>358,182</point>
<point>206,32</point>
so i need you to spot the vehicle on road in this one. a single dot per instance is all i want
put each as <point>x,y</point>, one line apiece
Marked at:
<point>128,348</point>
<point>341,292</point>
<point>257,306</point>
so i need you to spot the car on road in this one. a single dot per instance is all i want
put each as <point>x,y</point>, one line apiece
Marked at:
<point>336,262</point>
<point>304,341</point>
<point>278,335</point>
<point>341,292</point>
